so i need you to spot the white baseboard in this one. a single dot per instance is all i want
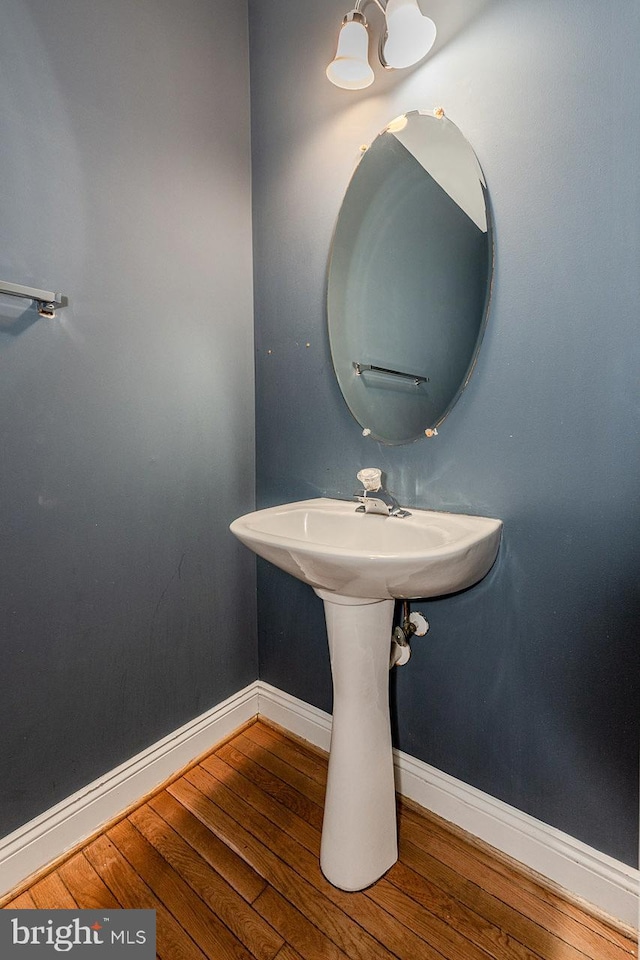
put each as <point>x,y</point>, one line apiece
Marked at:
<point>606,883</point>
<point>579,869</point>
<point>49,836</point>
<point>295,715</point>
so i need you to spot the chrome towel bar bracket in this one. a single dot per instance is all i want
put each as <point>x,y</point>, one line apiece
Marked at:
<point>46,301</point>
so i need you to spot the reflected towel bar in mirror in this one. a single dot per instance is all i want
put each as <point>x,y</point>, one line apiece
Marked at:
<point>361,367</point>
<point>45,300</point>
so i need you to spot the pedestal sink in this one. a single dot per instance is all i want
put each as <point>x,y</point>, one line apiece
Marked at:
<point>359,564</point>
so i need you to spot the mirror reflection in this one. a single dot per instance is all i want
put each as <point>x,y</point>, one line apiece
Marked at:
<point>409,277</point>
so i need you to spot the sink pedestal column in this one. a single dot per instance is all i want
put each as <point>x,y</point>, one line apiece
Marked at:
<point>359,834</point>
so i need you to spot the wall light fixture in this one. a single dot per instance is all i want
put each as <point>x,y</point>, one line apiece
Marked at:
<point>406,38</point>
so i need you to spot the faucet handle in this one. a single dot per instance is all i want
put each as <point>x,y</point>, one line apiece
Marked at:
<point>370,478</point>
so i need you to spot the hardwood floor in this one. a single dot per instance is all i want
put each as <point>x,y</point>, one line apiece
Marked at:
<point>227,855</point>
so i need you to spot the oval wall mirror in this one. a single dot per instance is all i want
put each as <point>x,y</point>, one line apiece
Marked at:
<point>409,277</point>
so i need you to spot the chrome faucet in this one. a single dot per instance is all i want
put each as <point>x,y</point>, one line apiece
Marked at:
<point>374,498</point>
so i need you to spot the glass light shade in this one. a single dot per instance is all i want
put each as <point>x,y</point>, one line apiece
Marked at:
<point>410,35</point>
<point>350,67</point>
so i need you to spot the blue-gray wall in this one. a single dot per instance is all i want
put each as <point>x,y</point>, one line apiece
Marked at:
<point>527,685</point>
<point>126,424</point>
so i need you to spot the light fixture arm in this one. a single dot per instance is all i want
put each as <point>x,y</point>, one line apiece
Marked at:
<point>362,3</point>
<point>357,13</point>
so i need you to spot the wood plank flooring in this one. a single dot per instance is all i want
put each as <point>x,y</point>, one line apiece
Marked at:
<point>227,855</point>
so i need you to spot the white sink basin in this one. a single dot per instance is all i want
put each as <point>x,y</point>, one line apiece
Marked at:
<point>328,545</point>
